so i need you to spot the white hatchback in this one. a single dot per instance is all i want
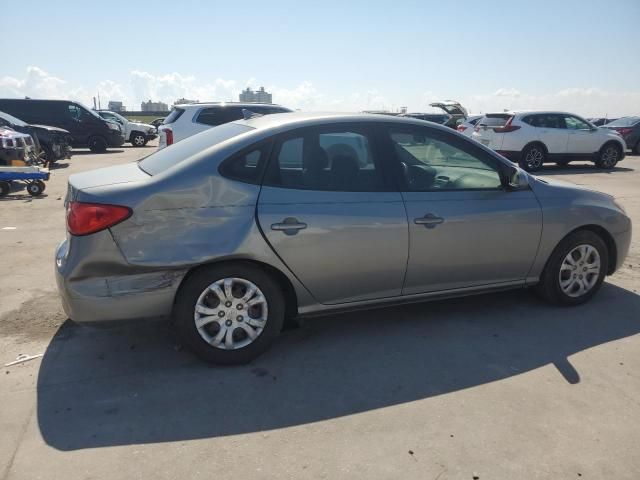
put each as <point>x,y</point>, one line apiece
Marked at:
<point>533,138</point>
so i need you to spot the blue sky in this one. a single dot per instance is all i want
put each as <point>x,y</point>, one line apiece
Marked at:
<point>333,55</point>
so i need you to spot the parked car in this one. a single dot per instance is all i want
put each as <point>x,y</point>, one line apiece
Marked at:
<point>240,226</point>
<point>157,122</point>
<point>188,119</point>
<point>465,127</point>
<point>629,130</point>
<point>86,127</point>
<point>600,121</point>
<point>533,138</point>
<point>453,114</point>
<point>136,133</point>
<point>51,143</point>
<point>16,148</point>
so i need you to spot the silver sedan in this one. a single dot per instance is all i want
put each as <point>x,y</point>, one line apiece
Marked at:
<point>240,227</point>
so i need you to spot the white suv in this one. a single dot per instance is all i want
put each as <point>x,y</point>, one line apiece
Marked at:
<point>532,138</point>
<point>188,119</point>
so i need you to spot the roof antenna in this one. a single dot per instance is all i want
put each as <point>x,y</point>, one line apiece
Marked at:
<point>247,114</point>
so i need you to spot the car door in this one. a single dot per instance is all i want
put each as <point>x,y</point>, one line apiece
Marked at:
<point>551,130</point>
<point>332,215</point>
<point>465,228</point>
<point>582,139</point>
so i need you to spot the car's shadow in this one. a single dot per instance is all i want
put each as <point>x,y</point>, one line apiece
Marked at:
<point>572,169</point>
<point>132,385</point>
<point>89,152</point>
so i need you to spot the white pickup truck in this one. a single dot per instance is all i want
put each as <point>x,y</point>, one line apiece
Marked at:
<point>137,134</point>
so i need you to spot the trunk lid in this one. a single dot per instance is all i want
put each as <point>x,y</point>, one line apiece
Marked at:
<point>451,107</point>
<point>485,133</point>
<point>104,177</point>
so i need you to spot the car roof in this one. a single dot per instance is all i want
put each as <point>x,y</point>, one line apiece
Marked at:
<point>247,105</point>
<point>299,119</point>
<point>529,112</point>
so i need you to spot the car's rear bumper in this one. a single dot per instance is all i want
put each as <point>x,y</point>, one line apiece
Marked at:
<point>103,297</point>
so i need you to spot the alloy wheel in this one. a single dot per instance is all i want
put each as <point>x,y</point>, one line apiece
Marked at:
<point>579,271</point>
<point>609,156</point>
<point>534,158</point>
<point>231,313</point>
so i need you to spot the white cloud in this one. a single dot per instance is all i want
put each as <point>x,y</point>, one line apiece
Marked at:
<point>142,86</point>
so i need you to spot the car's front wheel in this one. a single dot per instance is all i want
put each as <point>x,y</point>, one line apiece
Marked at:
<point>576,269</point>
<point>608,156</point>
<point>138,139</point>
<point>532,158</point>
<point>229,314</point>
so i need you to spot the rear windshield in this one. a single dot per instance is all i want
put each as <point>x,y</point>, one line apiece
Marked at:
<point>173,116</point>
<point>495,120</point>
<point>624,122</point>
<point>168,157</point>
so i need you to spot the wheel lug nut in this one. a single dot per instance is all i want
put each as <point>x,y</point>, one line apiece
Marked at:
<point>221,314</point>
<point>240,318</point>
<point>228,304</point>
<point>228,323</point>
<point>239,306</point>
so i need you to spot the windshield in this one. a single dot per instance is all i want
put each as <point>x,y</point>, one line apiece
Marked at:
<point>624,122</point>
<point>13,120</point>
<point>88,110</point>
<point>168,157</point>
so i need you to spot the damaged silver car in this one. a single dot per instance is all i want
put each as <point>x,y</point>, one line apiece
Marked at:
<point>235,229</point>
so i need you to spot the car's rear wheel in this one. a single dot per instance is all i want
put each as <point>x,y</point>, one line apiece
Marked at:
<point>229,314</point>
<point>138,139</point>
<point>608,156</point>
<point>5,189</point>
<point>97,144</point>
<point>532,158</point>
<point>576,269</point>
<point>637,149</point>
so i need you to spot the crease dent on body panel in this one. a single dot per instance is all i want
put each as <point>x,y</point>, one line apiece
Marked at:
<point>145,282</point>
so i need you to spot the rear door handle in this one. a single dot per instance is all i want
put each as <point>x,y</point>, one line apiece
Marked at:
<point>429,220</point>
<point>289,226</point>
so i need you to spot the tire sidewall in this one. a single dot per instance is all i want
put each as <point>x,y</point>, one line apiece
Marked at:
<point>97,144</point>
<point>138,135</point>
<point>551,280</point>
<point>191,290</point>
<point>600,162</point>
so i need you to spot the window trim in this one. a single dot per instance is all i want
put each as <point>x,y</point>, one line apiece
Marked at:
<point>364,129</point>
<point>445,137</point>
<point>266,145</point>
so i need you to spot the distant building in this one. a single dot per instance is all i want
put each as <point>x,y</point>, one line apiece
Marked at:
<point>258,96</point>
<point>185,101</point>
<point>154,106</point>
<point>116,106</point>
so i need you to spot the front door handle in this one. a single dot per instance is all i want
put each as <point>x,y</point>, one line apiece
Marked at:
<point>289,226</point>
<point>429,220</point>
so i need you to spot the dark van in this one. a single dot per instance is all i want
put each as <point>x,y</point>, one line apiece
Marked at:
<point>86,127</point>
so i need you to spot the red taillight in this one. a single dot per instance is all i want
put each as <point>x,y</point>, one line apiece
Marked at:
<point>507,127</point>
<point>86,218</point>
<point>624,131</point>
<point>461,128</point>
<point>169,133</point>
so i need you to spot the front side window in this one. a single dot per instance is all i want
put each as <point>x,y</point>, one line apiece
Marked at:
<point>74,111</point>
<point>329,160</point>
<point>435,161</point>
<point>574,123</point>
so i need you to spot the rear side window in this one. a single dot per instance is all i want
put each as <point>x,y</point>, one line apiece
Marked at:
<point>173,116</point>
<point>166,158</point>
<point>339,160</point>
<point>219,115</point>
<point>246,166</point>
<point>624,122</point>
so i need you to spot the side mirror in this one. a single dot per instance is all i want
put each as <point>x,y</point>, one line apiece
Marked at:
<point>517,179</point>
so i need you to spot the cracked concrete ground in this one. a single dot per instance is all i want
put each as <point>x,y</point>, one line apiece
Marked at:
<point>499,386</point>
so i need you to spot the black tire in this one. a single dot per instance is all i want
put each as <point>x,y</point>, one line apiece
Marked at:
<point>138,139</point>
<point>5,189</point>
<point>35,188</point>
<point>196,284</point>
<point>637,149</point>
<point>97,144</point>
<point>549,287</point>
<point>46,155</point>
<point>608,156</point>
<point>532,158</point>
